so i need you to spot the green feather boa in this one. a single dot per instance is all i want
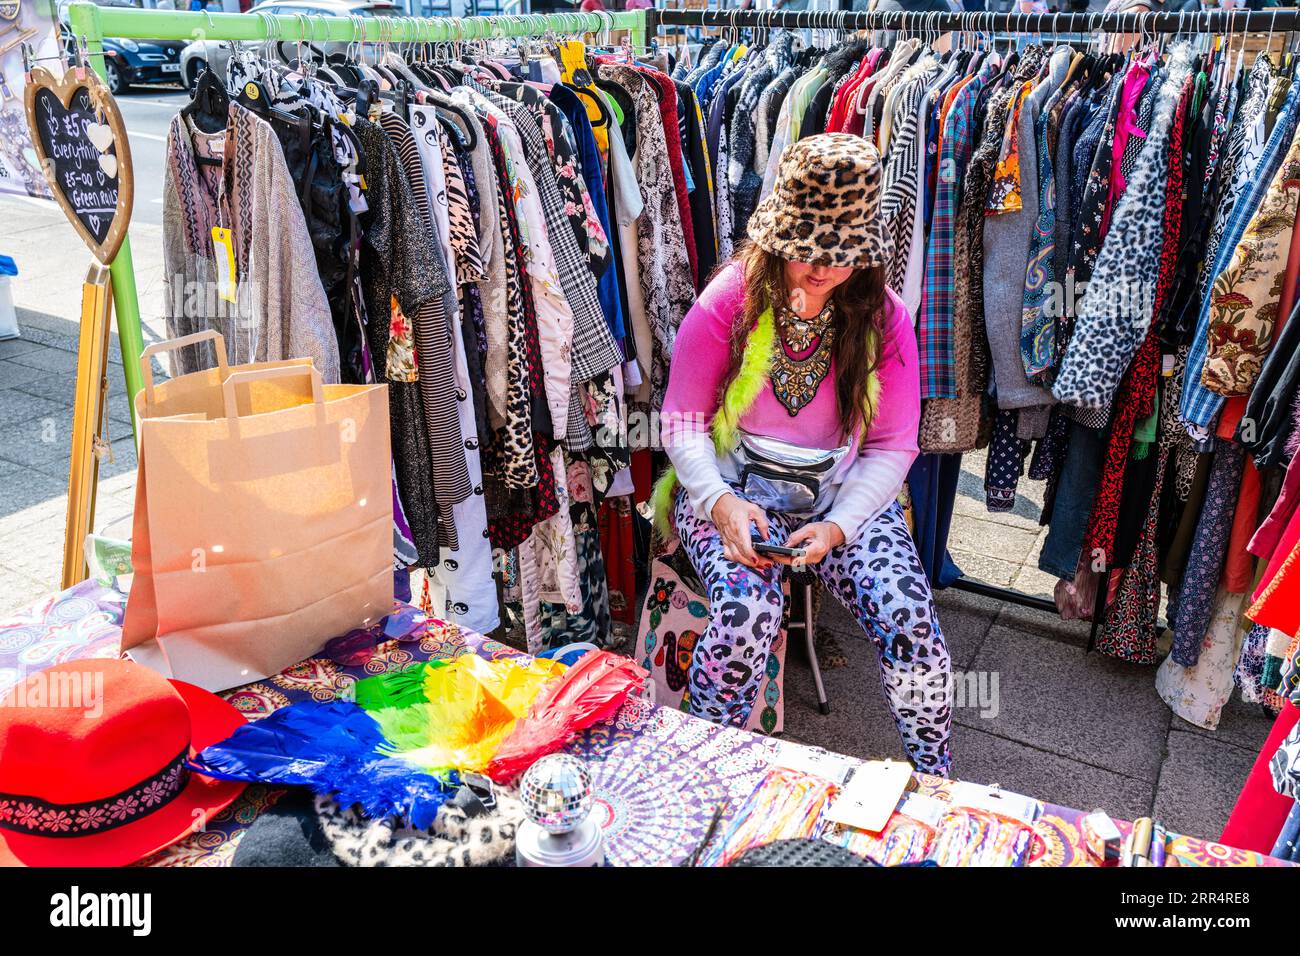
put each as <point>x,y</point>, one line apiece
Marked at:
<point>755,370</point>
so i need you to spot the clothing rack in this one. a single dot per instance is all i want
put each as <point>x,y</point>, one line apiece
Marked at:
<point>1234,22</point>
<point>1148,24</point>
<point>92,23</point>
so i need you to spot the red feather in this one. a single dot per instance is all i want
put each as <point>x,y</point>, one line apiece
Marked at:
<point>590,691</point>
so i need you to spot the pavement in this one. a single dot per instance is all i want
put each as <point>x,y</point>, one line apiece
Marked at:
<point>1060,724</point>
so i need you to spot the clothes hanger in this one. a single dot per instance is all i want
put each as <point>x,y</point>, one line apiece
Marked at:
<point>465,139</point>
<point>208,109</point>
<point>255,97</point>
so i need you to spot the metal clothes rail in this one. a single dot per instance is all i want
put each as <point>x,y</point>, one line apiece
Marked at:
<point>1194,21</point>
<point>94,23</point>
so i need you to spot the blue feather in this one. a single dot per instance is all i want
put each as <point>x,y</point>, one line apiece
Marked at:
<point>331,748</point>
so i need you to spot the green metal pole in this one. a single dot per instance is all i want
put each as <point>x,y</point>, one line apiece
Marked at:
<point>184,25</point>
<point>84,18</point>
<point>638,30</point>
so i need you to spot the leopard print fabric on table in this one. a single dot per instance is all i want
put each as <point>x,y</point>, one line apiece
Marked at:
<point>877,576</point>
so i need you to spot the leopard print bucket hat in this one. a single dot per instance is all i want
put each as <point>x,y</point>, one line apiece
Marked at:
<point>825,208</point>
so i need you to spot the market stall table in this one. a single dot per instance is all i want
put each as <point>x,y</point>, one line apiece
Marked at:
<point>659,774</point>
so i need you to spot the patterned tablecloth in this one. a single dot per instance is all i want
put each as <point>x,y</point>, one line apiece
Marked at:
<point>659,774</point>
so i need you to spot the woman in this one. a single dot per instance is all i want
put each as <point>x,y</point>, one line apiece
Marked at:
<point>803,367</point>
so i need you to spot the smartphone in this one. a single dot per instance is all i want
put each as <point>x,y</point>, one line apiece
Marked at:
<point>778,550</point>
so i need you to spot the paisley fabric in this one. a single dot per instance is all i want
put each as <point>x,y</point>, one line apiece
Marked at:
<point>876,576</point>
<point>80,623</point>
<point>1243,311</point>
<point>1038,318</point>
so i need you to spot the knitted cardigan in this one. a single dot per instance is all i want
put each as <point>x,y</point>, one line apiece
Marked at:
<point>280,310</point>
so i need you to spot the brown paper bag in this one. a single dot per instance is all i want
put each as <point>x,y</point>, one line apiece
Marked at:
<point>263,518</point>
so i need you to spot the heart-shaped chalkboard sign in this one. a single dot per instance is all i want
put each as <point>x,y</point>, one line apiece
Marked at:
<point>81,145</point>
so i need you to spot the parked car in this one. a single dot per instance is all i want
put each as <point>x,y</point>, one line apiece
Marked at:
<point>213,55</point>
<point>130,61</point>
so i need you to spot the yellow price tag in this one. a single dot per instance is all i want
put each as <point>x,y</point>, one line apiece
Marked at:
<point>223,245</point>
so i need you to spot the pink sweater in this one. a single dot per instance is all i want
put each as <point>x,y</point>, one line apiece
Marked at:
<point>700,361</point>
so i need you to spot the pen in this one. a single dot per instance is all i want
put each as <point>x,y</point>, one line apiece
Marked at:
<point>1158,838</point>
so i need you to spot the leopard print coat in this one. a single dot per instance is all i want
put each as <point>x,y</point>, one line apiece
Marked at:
<point>1117,308</point>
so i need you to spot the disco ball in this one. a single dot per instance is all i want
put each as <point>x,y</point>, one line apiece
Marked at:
<point>556,792</point>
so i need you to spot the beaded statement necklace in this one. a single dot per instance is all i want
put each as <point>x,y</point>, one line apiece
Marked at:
<point>795,381</point>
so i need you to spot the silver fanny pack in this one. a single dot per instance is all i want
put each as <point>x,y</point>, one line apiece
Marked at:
<point>779,476</point>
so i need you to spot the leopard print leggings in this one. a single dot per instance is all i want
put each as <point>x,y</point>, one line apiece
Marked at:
<point>877,576</point>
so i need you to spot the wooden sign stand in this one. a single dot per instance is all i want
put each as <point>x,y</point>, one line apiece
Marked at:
<point>87,418</point>
<point>81,142</point>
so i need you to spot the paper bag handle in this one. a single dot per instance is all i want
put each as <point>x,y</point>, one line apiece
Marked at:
<point>255,374</point>
<point>171,345</point>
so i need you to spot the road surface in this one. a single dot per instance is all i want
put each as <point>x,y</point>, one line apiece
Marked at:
<point>147,112</point>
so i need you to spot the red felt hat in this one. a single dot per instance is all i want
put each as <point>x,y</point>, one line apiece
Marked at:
<point>92,764</point>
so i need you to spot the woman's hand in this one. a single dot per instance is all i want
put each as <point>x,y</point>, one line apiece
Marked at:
<point>732,517</point>
<point>817,539</point>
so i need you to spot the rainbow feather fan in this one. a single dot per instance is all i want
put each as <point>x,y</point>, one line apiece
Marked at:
<point>397,746</point>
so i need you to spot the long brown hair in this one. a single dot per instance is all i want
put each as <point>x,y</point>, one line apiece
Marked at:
<point>859,306</point>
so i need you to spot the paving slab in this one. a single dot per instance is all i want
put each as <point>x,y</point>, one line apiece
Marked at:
<point>25,487</point>
<point>1043,624</point>
<point>963,618</point>
<point>11,347</point>
<point>1199,783</point>
<point>20,590</point>
<point>18,407</point>
<point>1086,707</point>
<point>972,500</point>
<point>979,536</point>
<point>988,759</point>
<point>982,567</point>
<point>1029,580</point>
<point>1241,724</point>
<point>63,389</point>
<point>860,723</point>
<point>12,374</point>
<point>48,360</point>
<point>33,442</point>
<point>121,462</point>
